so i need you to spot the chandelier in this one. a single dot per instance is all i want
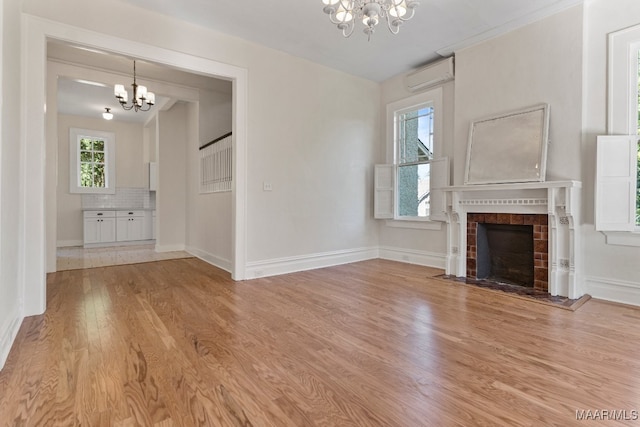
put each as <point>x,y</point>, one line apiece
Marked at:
<point>344,13</point>
<point>141,99</point>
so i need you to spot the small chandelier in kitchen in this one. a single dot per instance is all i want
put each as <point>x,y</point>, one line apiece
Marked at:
<point>141,99</point>
<point>344,13</point>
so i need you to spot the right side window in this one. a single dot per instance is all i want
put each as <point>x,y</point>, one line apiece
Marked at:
<point>637,104</point>
<point>617,200</point>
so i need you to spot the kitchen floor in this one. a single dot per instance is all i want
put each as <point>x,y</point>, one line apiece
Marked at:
<point>77,257</point>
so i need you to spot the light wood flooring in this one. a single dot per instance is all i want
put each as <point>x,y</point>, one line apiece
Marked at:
<point>375,343</point>
<point>77,257</point>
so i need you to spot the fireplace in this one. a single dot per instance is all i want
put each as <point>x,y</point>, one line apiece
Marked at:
<point>508,248</point>
<point>552,210</point>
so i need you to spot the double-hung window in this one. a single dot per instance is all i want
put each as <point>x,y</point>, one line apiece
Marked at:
<point>618,153</point>
<point>92,161</point>
<point>407,187</point>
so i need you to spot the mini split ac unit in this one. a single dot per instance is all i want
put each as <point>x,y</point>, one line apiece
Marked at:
<point>430,75</point>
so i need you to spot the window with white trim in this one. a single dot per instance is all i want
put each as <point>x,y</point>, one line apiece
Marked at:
<point>617,199</point>
<point>92,161</point>
<point>408,187</point>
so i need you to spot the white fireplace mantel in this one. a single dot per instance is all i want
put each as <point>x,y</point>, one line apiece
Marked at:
<point>558,199</point>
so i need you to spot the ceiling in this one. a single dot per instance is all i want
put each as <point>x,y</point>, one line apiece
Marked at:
<point>89,97</point>
<point>301,28</point>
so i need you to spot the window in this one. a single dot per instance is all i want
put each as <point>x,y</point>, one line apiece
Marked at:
<point>92,161</point>
<point>618,154</point>
<point>638,142</point>
<point>414,146</point>
<point>407,188</point>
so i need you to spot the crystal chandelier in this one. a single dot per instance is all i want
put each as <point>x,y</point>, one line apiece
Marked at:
<point>141,99</point>
<point>344,13</point>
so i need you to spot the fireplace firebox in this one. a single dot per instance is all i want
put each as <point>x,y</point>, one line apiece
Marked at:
<point>508,248</point>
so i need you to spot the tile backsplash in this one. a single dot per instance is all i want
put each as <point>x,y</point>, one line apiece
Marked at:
<point>125,197</point>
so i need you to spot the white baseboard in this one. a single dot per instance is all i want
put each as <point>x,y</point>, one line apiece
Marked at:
<point>170,248</point>
<point>274,267</point>
<point>613,290</point>
<point>8,332</point>
<point>411,256</point>
<point>67,243</point>
<point>121,243</point>
<point>214,260</point>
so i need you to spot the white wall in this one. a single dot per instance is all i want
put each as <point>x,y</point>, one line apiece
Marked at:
<point>611,271</point>
<point>10,176</point>
<point>171,200</point>
<point>541,62</point>
<point>209,216</point>
<point>131,171</point>
<point>215,115</point>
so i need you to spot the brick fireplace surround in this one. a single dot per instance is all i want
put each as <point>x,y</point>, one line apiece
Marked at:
<point>540,241</point>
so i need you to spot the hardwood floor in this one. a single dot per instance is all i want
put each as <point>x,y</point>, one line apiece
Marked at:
<point>375,343</point>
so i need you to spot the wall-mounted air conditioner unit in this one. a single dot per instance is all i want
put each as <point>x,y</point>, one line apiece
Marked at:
<point>430,75</point>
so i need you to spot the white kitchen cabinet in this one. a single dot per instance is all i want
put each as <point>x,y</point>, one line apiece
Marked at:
<point>130,226</point>
<point>99,227</point>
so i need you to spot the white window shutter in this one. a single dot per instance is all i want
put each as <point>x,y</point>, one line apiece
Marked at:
<point>615,199</point>
<point>383,199</point>
<point>439,179</point>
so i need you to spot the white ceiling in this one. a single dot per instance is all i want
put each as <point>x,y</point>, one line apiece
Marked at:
<point>301,28</point>
<point>89,98</point>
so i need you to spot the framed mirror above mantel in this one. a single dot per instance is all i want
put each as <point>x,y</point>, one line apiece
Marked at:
<point>509,148</point>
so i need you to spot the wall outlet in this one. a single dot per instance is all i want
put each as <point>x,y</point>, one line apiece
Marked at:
<point>266,186</point>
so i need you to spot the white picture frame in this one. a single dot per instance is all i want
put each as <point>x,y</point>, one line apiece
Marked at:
<point>509,148</point>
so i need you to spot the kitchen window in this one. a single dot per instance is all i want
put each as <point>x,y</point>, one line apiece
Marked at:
<point>92,161</point>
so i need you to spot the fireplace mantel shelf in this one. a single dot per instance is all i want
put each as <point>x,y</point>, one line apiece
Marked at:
<point>515,186</point>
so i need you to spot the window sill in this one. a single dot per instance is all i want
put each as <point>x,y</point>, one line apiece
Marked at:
<point>416,225</point>
<point>623,238</point>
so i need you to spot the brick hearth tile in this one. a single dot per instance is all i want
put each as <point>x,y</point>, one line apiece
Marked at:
<point>491,218</point>
<point>541,273</point>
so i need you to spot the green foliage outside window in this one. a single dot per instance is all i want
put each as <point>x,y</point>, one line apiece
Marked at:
<point>92,163</point>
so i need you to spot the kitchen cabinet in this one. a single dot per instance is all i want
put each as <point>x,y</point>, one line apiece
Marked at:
<point>111,227</point>
<point>99,227</point>
<point>130,226</point>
